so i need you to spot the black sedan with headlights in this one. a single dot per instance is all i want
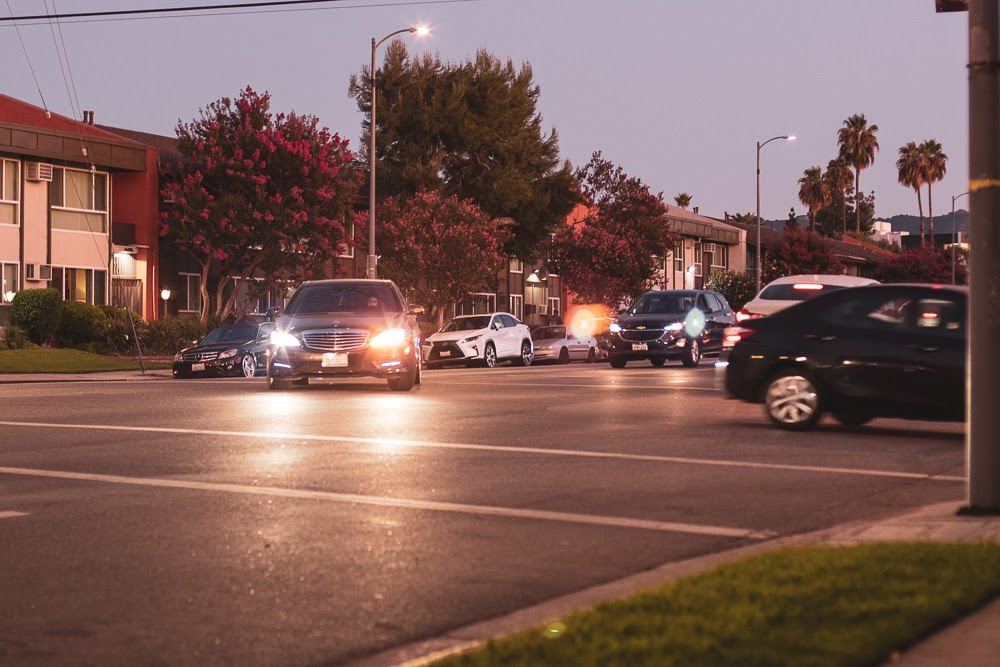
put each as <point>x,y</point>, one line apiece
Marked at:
<point>670,324</point>
<point>345,328</point>
<point>857,353</point>
<point>233,349</point>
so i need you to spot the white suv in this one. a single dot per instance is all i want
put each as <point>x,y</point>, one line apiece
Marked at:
<point>480,340</point>
<point>790,290</point>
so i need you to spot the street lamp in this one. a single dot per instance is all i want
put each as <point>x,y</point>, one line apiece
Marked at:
<point>165,295</point>
<point>787,137</point>
<point>953,239</point>
<point>371,271</point>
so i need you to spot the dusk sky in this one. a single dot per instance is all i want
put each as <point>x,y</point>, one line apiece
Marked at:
<point>677,92</point>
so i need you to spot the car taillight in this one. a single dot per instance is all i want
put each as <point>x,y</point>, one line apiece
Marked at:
<point>743,315</point>
<point>733,335</point>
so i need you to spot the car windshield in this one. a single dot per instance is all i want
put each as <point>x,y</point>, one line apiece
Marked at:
<point>549,333</point>
<point>233,333</point>
<point>467,323</point>
<point>662,303</point>
<point>344,298</point>
<point>797,291</point>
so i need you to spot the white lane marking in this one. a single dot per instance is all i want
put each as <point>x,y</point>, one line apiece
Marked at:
<point>594,385</point>
<point>494,448</point>
<point>405,503</point>
<point>11,515</point>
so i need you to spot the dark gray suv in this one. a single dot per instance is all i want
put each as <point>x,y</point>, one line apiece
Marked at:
<point>345,328</point>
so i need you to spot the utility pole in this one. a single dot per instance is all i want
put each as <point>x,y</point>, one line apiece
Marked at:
<point>983,361</point>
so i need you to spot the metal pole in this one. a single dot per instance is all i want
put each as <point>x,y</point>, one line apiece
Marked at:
<point>758,219</point>
<point>983,362</point>
<point>371,271</point>
<point>953,239</point>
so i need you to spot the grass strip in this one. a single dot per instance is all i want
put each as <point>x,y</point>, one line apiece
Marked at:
<point>58,360</point>
<point>817,605</point>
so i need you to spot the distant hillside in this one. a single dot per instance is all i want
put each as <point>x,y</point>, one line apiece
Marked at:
<point>942,221</point>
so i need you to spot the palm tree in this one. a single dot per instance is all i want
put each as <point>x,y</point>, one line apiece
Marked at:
<point>911,175</point>
<point>838,175</point>
<point>683,200</point>
<point>935,167</point>
<point>857,147</point>
<point>814,192</point>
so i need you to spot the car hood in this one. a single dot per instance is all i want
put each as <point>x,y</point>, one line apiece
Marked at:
<point>452,336</point>
<point>368,321</point>
<point>217,347</point>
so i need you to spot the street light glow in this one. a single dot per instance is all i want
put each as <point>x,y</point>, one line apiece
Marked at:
<point>791,137</point>
<point>421,30</point>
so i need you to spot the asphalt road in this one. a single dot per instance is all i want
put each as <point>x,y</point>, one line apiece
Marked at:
<point>214,521</point>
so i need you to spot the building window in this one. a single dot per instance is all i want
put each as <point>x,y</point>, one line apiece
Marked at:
<point>697,259</point>
<point>679,259</point>
<point>10,194</point>
<point>8,281</point>
<point>348,252</point>
<point>555,306</point>
<point>517,306</point>
<point>516,266</point>
<point>189,294</point>
<point>123,265</point>
<point>78,284</point>
<point>79,200</point>
<point>720,258</point>
<point>477,304</point>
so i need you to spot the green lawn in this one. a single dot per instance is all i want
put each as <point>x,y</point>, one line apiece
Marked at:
<point>55,360</point>
<point>818,605</point>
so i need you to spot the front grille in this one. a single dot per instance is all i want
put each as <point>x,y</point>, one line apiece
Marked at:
<point>641,335</point>
<point>335,340</point>
<point>454,352</point>
<point>200,356</point>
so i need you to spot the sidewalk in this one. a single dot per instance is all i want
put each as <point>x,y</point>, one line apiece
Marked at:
<point>109,376</point>
<point>974,640</point>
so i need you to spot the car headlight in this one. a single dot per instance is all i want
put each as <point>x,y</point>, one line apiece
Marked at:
<point>178,357</point>
<point>228,353</point>
<point>284,339</point>
<point>471,338</point>
<point>615,327</point>
<point>676,326</point>
<point>389,338</point>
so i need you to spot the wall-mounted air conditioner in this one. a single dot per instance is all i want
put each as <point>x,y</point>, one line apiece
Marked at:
<point>38,272</point>
<point>38,171</point>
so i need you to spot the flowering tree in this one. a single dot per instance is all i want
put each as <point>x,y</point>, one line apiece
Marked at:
<point>800,251</point>
<point>255,192</point>
<point>438,249</point>
<point>614,253</point>
<point>926,264</point>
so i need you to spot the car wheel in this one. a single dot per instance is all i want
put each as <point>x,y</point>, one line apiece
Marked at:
<point>406,381</point>
<point>489,356</point>
<point>591,356</point>
<point>852,418</point>
<point>658,361</point>
<point>249,366</point>
<point>692,353</point>
<point>617,362</point>
<point>792,401</point>
<point>277,384</point>
<point>564,356</point>
<point>524,359</point>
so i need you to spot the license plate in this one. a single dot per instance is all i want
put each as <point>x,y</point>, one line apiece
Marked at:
<point>335,360</point>
<point>639,347</point>
<point>197,367</point>
<point>445,353</point>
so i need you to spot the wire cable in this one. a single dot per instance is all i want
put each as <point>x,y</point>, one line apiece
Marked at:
<point>24,49</point>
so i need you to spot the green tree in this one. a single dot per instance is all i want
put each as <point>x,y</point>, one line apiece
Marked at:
<point>683,200</point>
<point>793,219</point>
<point>935,167</point>
<point>910,165</point>
<point>858,145</point>
<point>814,192</point>
<point>470,130</point>
<point>838,176</point>
<point>800,251</point>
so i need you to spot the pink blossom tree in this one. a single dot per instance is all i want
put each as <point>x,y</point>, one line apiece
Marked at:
<point>256,193</point>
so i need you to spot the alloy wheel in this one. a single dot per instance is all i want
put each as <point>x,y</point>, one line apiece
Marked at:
<point>249,366</point>
<point>792,402</point>
<point>490,356</point>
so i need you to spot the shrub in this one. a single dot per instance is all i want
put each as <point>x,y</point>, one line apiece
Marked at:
<point>38,312</point>
<point>115,334</point>
<point>736,286</point>
<point>80,324</point>
<point>171,334</point>
<point>926,264</point>
<point>14,338</point>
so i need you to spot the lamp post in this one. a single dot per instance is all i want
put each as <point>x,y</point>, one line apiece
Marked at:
<point>371,271</point>
<point>165,295</point>
<point>954,241</point>
<point>787,137</point>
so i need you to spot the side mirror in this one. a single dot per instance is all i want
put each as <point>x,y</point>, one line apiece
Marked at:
<point>416,310</point>
<point>273,313</point>
<point>194,342</point>
<point>622,311</point>
<point>496,326</point>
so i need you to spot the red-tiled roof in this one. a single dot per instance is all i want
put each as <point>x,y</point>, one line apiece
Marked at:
<point>167,146</point>
<point>17,112</point>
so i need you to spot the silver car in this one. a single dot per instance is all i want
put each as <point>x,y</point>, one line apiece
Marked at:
<point>557,343</point>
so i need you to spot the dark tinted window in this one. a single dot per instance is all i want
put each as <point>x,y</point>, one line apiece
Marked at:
<point>235,333</point>
<point>878,310</point>
<point>663,303</point>
<point>943,315</point>
<point>797,291</point>
<point>508,321</point>
<point>345,298</point>
<point>549,333</point>
<point>467,323</point>
<point>704,305</point>
<point>715,301</point>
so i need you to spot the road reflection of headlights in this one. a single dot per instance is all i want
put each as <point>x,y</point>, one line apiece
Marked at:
<point>389,338</point>
<point>471,338</point>
<point>228,353</point>
<point>284,339</point>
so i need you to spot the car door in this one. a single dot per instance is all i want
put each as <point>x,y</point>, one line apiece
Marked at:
<point>712,338</point>
<point>511,334</point>
<point>939,342</point>
<point>495,333</point>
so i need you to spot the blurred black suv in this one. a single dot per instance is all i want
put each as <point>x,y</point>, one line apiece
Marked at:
<point>345,328</point>
<point>670,324</point>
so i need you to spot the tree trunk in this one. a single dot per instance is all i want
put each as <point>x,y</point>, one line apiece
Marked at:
<point>930,214</point>
<point>920,207</point>
<point>843,210</point>
<point>203,289</point>
<point>857,199</point>
<point>437,312</point>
